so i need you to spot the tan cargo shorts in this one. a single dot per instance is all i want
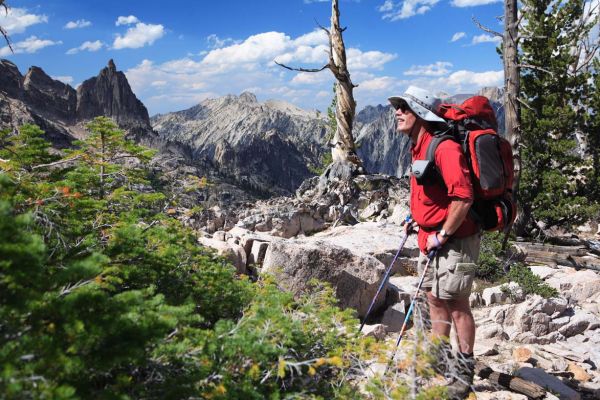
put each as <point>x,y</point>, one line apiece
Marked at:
<point>450,274</point>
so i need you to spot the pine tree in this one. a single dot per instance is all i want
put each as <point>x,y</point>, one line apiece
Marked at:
<point>552,189</point>
<point>592,128</point>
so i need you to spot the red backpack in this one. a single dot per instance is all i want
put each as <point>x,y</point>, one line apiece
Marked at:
<point>489,156</point>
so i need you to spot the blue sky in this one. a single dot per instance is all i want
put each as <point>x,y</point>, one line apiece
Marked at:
<point>178,53</point>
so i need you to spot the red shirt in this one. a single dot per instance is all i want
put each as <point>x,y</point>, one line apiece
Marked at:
<point>429,203</point>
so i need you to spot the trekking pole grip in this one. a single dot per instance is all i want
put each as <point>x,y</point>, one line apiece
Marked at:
<point>432,254</point>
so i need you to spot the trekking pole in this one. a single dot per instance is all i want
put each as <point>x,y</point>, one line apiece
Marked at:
<point>407,220</point>
<point>430,257</point>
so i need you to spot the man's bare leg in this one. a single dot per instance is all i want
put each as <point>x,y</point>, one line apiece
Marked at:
<point>440,316</point>
<point>464,323</point>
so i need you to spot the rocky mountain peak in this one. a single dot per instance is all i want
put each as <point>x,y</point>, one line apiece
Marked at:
<point>11,80</point>
<point>111,65</point>
<point>48,96</point>
<point>493,93</point>
<point>109,94</point>
<point>248,97</point>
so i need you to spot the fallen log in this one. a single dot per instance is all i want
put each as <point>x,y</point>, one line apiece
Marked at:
<point>514,383</point>
<point>549,248</point>
<point>577,257</point>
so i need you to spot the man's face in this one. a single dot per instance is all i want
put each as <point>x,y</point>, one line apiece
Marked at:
<point>405,119</point>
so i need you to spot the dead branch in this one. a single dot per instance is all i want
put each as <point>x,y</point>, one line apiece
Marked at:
<point>302,69</point>
<point>535,67</point>
<point>524,103</point>
<point>485,28</point>
<point>52,164</point>
<point>3,31</point>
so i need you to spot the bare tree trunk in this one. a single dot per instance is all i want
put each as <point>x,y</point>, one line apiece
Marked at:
<point>512,88</point>
<point>343,141</point>
<point>343,148</point>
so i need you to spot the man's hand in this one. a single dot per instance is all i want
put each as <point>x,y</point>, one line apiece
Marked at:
<point>435,241</point>
<point>409,227</point>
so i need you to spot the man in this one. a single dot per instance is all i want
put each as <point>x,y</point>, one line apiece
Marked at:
<point>440,208</point>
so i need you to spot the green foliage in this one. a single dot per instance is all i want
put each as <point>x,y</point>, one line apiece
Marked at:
<point>553,188</point>
<point>24,149</point>
<point>592,126</point>
<point>492,260</point>
<point>489,267</point>
<point>331,117</point>
<point>326,159</point>
<point>331,127</point>
<point>529,282</point>
<point>103,295</point>
<point>417,364</point>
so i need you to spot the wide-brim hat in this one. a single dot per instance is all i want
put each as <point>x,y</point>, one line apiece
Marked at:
<point>421,102</point>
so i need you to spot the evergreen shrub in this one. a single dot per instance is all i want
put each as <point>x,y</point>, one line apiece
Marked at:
<point>104,296</point>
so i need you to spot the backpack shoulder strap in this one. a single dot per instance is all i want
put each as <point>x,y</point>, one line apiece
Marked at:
<point>435,142</point>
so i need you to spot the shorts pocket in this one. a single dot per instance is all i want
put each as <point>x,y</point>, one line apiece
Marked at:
<point>459,280</point>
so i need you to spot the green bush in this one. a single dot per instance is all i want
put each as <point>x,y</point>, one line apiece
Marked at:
<point>490,265</point>
<point>104,296</point>
<point>529,282</point>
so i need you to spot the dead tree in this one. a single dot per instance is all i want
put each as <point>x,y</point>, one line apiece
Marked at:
<point>512,89</point>
<point>512,86</point>
<point>343,147</point>
<point>2,30</point>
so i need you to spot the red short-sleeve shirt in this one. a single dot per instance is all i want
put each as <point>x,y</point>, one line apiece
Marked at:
<point>429,203</point>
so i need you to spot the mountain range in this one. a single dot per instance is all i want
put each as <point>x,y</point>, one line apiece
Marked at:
<point>263,148</point>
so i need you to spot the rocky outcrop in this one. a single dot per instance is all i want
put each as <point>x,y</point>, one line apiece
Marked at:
<point>50,98</point>
<point>61,111</point>
<point>11,81</point>
<point>109,94</point>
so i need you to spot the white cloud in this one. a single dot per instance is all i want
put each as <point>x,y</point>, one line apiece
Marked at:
<point>87,46</point>
<point>258,47</point>
<point>358,60</point>
<point>472,3</point>
<point>458,36</point>
<point>249,64</point>
<point>64,79</point>
<point>439,68</point>
<point>139,36</point>
<point>310,78</point>
<point>468,79</point>
<point>132,19</point>
<point>80,23</point>
<point>18,19</point>
<point>405,9</point>
<point>379,84</point>
<point>485,38</point>
<point>30,45</point>
<point>215,42</point>
<point>316,37</point>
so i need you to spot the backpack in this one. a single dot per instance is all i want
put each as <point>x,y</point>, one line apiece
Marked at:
<point>489,157</point>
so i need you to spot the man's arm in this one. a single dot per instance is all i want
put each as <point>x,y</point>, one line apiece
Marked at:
<point>457,212</point>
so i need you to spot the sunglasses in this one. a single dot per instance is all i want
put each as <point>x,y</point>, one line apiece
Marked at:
<point>402,106</point>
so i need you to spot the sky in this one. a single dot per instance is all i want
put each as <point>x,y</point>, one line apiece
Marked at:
<point>178,53</point>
